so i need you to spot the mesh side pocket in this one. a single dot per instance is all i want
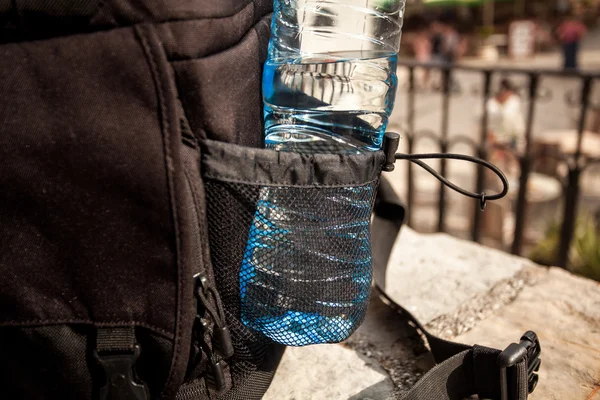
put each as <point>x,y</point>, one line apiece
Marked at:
<point>228,218</point>
<point>291,250</point>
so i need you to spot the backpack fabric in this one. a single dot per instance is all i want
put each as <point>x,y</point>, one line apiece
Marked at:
<point>102,212</point>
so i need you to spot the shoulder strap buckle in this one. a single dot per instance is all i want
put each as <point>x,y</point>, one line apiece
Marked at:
<point>529,351</point>
<point>120,379</point>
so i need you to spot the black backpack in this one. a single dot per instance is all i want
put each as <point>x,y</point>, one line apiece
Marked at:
<point>130,167</point>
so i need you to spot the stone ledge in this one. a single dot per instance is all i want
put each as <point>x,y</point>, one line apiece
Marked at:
<point>468,293</point>
<point>448,283</point>
<point>564,310</point>
<point>328,372</point>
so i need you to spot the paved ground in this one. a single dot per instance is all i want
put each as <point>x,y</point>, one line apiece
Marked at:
<point>565,311</point>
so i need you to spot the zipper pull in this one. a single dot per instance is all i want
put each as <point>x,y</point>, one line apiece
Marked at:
<point>221,337</point>
<point>216,376</point>
<point>201,282</point>
<point>222,342</point>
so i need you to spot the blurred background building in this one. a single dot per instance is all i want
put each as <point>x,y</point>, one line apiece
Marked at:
<point>497,87</point>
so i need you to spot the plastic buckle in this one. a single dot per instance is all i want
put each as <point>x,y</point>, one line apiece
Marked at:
<point>120,377</point>
<point>528,349</point>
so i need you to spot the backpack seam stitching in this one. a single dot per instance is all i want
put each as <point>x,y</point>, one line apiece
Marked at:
<point>169,167</point>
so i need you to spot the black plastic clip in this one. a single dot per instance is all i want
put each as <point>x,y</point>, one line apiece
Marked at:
<point>528,349</point>
<point>391,142</point>
<point>121,382</point>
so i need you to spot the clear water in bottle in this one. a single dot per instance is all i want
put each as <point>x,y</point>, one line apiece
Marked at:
<point>335,104</point>
<point>329,86</point>
<point>329,83</point>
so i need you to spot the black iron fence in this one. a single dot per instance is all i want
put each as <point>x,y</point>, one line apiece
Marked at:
<point>576,162</point>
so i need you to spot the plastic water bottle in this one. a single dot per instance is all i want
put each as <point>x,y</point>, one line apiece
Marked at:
<point>329,87</point>
<point>329,83</point>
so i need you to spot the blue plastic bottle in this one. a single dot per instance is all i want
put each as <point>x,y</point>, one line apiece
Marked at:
<point>329,83</point>
<point>329,86</point>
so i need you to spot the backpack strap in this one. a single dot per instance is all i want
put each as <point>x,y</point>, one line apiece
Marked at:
<point>461,370</point>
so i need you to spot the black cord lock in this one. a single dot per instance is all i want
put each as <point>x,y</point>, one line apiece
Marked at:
<point>391,142</point>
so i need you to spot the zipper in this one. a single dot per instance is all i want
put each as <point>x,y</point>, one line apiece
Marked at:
<point>220,333</point>
<point>212,343</point>
<point>210,325</point>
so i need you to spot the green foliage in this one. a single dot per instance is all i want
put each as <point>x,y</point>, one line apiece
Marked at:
<point>485,32</point>
<point>586,249</point>
<point>584,254</point>
<point>388,6</point>
<point>545,251</point>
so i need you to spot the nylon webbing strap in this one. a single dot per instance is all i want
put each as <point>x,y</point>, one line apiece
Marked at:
<point>461,370</point>
<point>115,340</point>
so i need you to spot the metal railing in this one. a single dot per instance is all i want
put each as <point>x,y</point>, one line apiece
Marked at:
<point>576,162</point>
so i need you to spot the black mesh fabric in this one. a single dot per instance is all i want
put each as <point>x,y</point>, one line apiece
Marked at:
<point>288,233</point>
<point>254,388</point>
<point>305,274</point>
<point>294,260</point>
<point>227,219</point>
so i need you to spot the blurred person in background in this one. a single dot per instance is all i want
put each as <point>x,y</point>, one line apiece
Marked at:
<point>506,125</point>
<point>451,44</point>
<point>570,32</point>
<point>445,42</point>
<point>436,37</point>
<point>445,47</point>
